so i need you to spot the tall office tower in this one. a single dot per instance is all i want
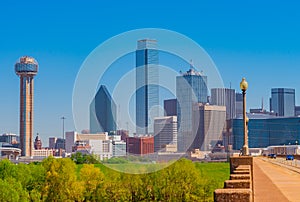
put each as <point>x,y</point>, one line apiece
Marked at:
<point>147,89</point>
<point>208,124</point>
<point>52,142</point>
<point>165,134</point>
<point>224,97</point>
<point>191,88</point>
<point>102,112</point>
<point>238,104</point>
<point>26,68</point>
<point>283,101</point>
<point>170,107</point>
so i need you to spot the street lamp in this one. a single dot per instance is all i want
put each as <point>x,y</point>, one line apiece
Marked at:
<point>244,87</point>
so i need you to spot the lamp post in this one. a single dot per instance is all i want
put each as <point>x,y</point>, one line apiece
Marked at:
<point>244,87</point>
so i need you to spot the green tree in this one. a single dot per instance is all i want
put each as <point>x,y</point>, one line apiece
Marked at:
<point>7,169</point>
<point>114,188</point>
<point>60,182</point>
<point>38,177</point>
<point>180,181</point>
<point>80,158</point>
<point>7,192</point>
<point>93,180</point>
<point>17,186</point>
<point>35,195</point>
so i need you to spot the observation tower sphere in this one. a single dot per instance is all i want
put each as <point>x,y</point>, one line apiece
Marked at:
<point>26,66</point>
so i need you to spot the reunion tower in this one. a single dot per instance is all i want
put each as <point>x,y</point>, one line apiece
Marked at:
<point>26,68</point>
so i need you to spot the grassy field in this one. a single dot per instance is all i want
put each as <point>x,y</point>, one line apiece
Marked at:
<point>130,168</point>
<point>216,173</point>
<point>210,170</point>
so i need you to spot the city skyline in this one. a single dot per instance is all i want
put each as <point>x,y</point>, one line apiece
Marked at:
<point>261,48</point>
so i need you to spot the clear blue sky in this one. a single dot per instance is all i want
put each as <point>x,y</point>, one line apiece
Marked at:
<point>255,39</point>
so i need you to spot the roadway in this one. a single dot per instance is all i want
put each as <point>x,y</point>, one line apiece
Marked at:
<point>276,180</point>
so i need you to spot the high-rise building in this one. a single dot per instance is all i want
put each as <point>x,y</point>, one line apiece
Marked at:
<point>170,107</point>
<point>60,143</point>
<point>26,68</point>
<point>191,88</point>
<point>147,89</point>
<point>208,124</point>
<point>238,104</point>
<point>52,142</point>
<point>224,97</point>
<point>102,112</point>
<point>283,101</point>
<point>165,133</point>
<point>140,145</point>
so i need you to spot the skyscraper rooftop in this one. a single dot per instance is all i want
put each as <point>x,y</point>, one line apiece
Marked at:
<point>146,44</point>
<point>192,71</point>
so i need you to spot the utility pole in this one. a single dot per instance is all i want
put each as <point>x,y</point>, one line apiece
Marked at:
<point>63,131</point>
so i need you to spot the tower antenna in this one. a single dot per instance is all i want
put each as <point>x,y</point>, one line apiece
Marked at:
<point>191,64</point>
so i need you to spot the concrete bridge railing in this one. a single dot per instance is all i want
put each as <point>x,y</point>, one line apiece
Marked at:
<point>240,185</point>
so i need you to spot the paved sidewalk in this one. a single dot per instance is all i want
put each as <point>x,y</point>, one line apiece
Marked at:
<point>275,183</point>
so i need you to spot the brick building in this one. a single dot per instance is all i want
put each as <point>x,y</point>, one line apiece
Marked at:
<point>140,145</point>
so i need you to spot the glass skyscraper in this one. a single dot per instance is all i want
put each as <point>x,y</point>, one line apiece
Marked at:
<point>147,89</point>
<point>282,101</point>
<point>238,104</point>
<point>170,107</point>
<point>102,112</point>
<point>266,130</point>
<point>191,88</point>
